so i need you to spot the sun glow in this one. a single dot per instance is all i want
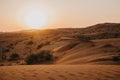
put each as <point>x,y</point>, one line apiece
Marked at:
<point>35,17</point>
<point>35,20</point>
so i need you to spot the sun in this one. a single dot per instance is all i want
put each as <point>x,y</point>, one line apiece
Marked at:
<point>35,20</point>
<point>35,16</point>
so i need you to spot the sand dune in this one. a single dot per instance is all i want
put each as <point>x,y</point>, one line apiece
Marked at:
<point>70,46</point>
<point>91,53</point>
<point>60,72</point>
<point>87,52</point>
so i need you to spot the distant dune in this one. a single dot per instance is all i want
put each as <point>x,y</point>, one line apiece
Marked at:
<point>68,45</point>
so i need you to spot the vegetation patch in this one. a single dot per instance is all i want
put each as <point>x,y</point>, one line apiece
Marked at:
<point>40,45</point>
<point>108,45</point>
<point>30,42</point>
<point>39,58</point>
<point>82,37</point>
<point>43,44</point>
<point>14,56</point>
<point>116,58</point>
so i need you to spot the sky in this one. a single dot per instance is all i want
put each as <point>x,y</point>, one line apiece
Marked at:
<point>18,15</point>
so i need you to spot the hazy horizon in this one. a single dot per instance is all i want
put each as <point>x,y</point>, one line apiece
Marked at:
<point>19,14</point>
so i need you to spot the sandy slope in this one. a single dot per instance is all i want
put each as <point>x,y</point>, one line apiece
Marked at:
<point>90,52</point>
<point>73,51</point>
<point>60,72</point>
<point>67,50</point>
<point>65,44</point>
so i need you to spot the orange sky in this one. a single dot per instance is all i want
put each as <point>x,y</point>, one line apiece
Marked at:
<point>60,13</point>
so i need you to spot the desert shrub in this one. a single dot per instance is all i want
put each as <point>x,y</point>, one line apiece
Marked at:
<point>118,51</point>
<point>14,56</point>
<point>41,57</point>
<point>1,64</point>
<point>6,50</point>
<point>30,42</point>
<point>116,58</point>
<point>31,59</point>
<point>43,44</point>
<point>40,45</point>
<point>44,56</point>
<point>11,44</point>
<point>82,37</point>
<point>108,45</point>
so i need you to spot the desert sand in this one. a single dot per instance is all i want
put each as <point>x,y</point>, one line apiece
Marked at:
<point>91,53</point>
<point>60,72</point>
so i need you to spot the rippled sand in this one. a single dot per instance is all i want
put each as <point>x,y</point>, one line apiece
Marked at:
<point>60,72</point>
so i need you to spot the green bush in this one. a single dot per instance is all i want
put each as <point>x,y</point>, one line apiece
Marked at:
<point>39,58</point>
